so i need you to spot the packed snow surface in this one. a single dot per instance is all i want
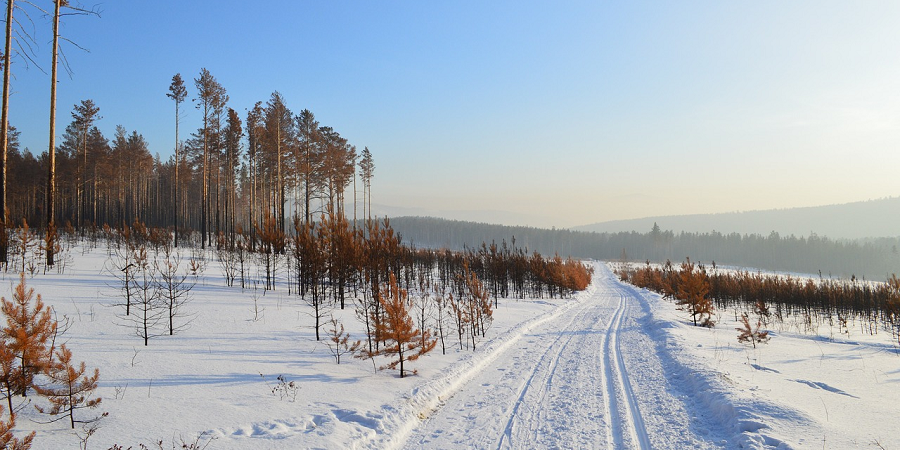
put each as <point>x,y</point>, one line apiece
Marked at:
<point>614,367</point>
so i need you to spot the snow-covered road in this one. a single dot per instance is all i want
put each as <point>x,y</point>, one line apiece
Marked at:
<point>572,383</point>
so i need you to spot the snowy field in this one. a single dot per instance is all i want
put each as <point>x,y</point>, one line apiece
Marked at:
<point>613,367</point>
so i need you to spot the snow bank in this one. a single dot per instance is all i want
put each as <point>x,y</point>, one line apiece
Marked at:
<point>785,394</point>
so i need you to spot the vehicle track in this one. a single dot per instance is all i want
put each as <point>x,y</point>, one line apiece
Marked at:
<point>565,386</point>
<point>627,424</point>
<point>541,389</point>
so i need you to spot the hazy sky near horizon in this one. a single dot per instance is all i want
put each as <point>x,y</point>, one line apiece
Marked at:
<point>562,113</point>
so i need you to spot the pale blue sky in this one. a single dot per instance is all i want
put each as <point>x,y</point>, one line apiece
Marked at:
<point>563,113</point>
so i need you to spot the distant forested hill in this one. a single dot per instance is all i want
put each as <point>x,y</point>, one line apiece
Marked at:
<point>874,218</point>
<point>874,258</point>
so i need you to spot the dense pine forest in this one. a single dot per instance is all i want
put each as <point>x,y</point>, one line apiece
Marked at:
<point>230,173</point>
<point>873,259</point>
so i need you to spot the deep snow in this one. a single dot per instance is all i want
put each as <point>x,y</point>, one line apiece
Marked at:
<point>614,367</point>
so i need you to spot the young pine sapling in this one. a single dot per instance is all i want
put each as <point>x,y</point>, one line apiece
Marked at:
<point>753,335</point>
<point>70,389</point>
<point>338,341</point>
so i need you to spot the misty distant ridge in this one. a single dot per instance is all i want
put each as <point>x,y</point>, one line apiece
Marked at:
<point>857,220</point>
<point>489,216</point>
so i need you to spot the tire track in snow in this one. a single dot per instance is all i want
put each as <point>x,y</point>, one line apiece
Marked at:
<point>621,405</point>
<point>557,353</point>
<point>510,411</point>
<point>566,385</point>
<point>568,409</point>
<point>432,397</point>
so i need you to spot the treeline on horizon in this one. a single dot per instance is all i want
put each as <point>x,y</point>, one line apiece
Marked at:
<point>872,259</point>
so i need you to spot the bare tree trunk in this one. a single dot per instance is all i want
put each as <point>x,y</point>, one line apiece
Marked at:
<point>252,169</point>
<point>84,183</point>
<point>218,195</point>
<point>175,188</point>
<point>280,181</point>
<point>51,178</point>
<point>205,201</point>
<point>94,199</point>
<point>232,198</point>
<point>4,138</point>
<point>306,176</point>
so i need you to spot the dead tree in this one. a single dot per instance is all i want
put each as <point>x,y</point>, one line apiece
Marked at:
<point>175,288</point>
<point>146,295</point>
